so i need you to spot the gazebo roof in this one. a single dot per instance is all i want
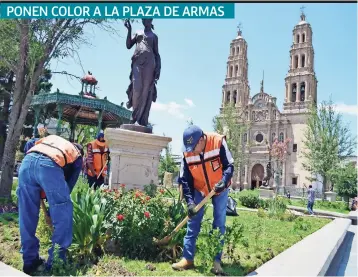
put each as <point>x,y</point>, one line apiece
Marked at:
<point>81,108</point>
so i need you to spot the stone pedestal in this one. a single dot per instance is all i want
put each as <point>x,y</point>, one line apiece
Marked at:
<point>134,157</point>
<point>331,196</point>
<point>266,192</point>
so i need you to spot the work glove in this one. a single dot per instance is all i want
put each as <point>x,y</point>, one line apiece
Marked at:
<point>219,187</point>
<point>191,210</point>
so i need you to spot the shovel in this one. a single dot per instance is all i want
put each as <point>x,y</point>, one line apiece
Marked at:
<point>47,218</point>
<point>166,240</point>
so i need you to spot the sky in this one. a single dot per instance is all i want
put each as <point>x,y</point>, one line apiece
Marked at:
<point>194,54</point>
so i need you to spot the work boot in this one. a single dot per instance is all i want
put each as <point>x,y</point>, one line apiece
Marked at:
<point>37,265</point>
<point>184,264</point>
<point>217,269</point>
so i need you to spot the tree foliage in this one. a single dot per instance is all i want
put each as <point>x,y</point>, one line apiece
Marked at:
<point>27,46</point>
<point>167,163</point>
<point>327,141</point>
<point>84,134</point>
<point>231,122</point>
<point>345,180</point>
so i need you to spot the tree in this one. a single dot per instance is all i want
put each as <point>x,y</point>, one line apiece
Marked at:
<point>34,43</point>
<point>167,163</point>
<point>344,179</point>
<point>84,134</point>
<point>327,141</point>
<point>278,152</point>
<point>232,123</point>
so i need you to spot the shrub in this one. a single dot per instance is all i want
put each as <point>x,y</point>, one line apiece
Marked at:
<point>233,236</point>
<point>249,198</point>
<point>261,213</point>
<point>276,207</point>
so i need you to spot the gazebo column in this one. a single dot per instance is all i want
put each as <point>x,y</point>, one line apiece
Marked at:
<point>60,113</point>
<point>73,130</point>
<point>100,118</point>
<point>37,110</point>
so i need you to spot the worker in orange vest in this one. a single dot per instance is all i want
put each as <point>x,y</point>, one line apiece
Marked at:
<point>207,165</point>
<point>52,165</point>
<point>97,161</point>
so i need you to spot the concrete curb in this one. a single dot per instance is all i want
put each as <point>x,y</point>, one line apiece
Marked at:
<point>311,256</point>
<point>318,212</point>
<point>6,270</point>
<point>353,216</point>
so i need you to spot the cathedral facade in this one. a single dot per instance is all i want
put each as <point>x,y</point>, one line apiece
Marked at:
<point>267,122</point>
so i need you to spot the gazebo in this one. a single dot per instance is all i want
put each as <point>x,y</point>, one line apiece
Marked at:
<point>85,108</point>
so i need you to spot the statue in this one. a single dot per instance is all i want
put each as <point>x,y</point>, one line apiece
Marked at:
<point>145,71</point>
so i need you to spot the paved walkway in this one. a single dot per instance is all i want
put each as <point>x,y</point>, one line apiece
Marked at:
<point>345,261</point>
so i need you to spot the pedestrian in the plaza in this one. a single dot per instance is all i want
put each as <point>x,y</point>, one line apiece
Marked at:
<point>207,165</point>
<point>52,165</point>
<point>311,195</point>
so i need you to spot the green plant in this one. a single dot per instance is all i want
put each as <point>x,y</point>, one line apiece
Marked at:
<point>233,236</point>
<point>150,189</point>
<point>208,245</point>
<point>261,213</point>
<point>43,231</point>
<point>276,207</point>
<point>89,211</point>
<point>249,198</point>
<point>301,225</point>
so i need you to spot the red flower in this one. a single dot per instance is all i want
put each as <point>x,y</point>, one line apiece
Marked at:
<point>122,185</point>
<point>161,191</point>
<point>137,194</point>
<point>120,217</point>
<point>147,198</point>
<point>147,214</point>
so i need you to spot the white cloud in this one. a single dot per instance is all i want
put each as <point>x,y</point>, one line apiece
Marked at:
<point>173,108</point>
<point>346,109</point>
<point>189,102</point>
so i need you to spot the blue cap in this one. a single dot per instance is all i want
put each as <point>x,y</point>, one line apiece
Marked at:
<point>191,137</point>
<point>100,135</point>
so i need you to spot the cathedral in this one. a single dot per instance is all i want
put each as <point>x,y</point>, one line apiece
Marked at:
<point>267,122</point>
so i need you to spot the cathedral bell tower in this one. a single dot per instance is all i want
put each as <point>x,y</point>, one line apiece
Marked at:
<point>301,82</point>
<point>236,89</point>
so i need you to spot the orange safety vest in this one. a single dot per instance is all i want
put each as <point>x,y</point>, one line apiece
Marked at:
<point>100,152</point>
<point>206,172</point>
<point>61,151</point>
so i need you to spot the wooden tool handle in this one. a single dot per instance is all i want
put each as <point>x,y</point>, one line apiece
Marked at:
<point>197,208</point>
<point>102,169</point>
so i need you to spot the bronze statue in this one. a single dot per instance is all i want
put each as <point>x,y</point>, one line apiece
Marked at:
<point>145,71</point>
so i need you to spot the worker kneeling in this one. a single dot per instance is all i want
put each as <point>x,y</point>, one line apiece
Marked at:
<point>52,165</point>
<point>207,164</point>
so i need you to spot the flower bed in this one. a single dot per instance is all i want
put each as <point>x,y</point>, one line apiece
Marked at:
<point>113,233</point>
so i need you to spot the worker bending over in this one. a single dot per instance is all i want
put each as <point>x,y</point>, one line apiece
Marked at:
<point>52,165</point>
<point>207,164</point>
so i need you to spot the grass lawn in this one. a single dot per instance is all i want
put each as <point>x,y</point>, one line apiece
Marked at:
<point>264,238</point>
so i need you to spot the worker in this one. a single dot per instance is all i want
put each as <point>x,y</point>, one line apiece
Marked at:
<point>97,161</point>
<point>52,165</point>
<point>207,165</point>
<point>42,132</point>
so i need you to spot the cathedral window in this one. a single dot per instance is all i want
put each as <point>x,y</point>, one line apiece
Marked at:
<point>233,51</point>
<point>274,114</point>
<point>253,116</point>
<point>294,148</point>
<point>228,97</point>
<point>247,115</point>
<point>297,38</point>
<point>281,137</point>
<point>259,138</point>
<point>302,92</point>
<point>273,136</point>
<point>294,92</point>
<point>238,50</point>
<point>303,59</point>
<point>236,70</point>
<point>303,37</point>
<point>294,181</point>
<point>296,62</point>
<point>245,137</point>
<point>235,96</point>
<point>230,73</point>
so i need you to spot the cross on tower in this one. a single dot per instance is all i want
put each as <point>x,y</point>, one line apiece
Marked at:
<point>303,16</point>
<point>239,27</point>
